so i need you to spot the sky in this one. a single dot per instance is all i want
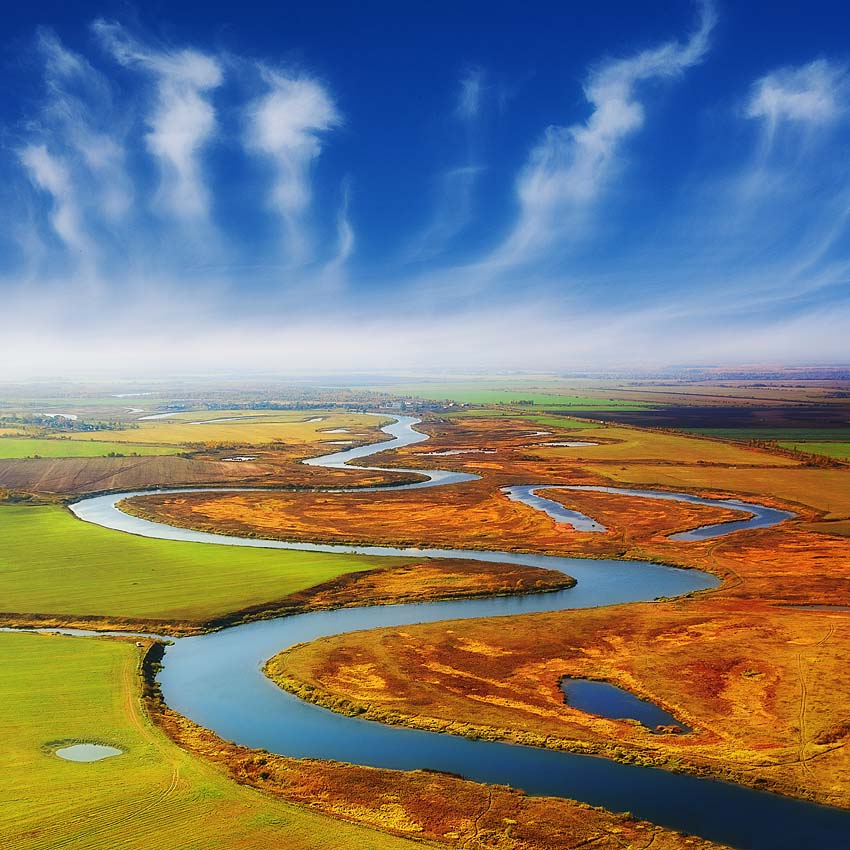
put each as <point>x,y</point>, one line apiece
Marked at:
<point>282,187</point>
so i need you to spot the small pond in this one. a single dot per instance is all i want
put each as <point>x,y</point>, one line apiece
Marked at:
<point>608,700</point>
<point>87,752</point>
<point>571,444</point>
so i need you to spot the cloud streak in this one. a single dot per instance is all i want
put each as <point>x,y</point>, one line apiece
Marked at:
<point>285,126</point>
<point>229,154</point>
<point>183,120</point>
<point>50,174</point>
<point>568,169</point>
<point>806,95</point>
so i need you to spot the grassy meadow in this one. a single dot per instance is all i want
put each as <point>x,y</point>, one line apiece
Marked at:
<point>52,563</point>
<point>825,490</point>
<point>633,445</point>
<point>11,447</point>
<point>154,796</point>
<point>840,451</point>
<point>803,435</point>
<point>546,419</point>
<point>495,393</point>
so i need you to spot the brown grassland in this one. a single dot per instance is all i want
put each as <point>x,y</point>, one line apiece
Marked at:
<point>431,807</point>
<point>758,676</point>
<point>72,476</point>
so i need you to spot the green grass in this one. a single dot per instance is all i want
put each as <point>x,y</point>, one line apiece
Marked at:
<point>841,451</point>
<point>53,563</point>
<point>156,795</point>
<point>13,447</point>
<point>783,434</point>
<point>477,394</point>
<point>518,413</point>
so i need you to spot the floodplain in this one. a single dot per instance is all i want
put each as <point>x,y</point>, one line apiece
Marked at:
<point>752,670</point>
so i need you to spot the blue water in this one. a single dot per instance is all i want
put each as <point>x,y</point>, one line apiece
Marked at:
<point>217,681</point>
<point>608,700</point>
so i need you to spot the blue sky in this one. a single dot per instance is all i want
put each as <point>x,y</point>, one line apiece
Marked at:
<point>474,185</point>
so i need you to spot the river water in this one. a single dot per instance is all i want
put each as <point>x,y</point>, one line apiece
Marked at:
<point>216,680</point>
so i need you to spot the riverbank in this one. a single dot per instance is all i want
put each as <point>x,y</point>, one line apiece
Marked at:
<point>425,805</point>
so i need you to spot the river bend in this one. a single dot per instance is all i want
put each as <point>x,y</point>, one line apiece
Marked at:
<point>216,679</point>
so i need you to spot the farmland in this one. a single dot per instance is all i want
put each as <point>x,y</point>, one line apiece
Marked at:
<point>33,448</point>
<point>246,428</point>
<point>52,564</point>
<point>841,451</point>
<point>483,394</point>
<point>155,789</point>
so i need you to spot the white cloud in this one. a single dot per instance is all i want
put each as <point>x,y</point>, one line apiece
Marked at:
<point>808,94</point>
<point>453,212</point>
<point>284,126</point>
<point>50,174</point>
<point>568,169</point>
<point>344,234</point>
<point>80,110</point>
<point>471,91</point>
<point>183,120</point>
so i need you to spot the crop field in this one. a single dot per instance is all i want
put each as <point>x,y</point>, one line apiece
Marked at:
<point>632,444</point>
<point>52,448</point>
<point>841,451</point>
<point>537,419</point>
<point>825,490</point>
<point>778,434</point>
<point>483,393</point>
<point>248,428</point>
<point>155,795</point>
<point>52,563</point>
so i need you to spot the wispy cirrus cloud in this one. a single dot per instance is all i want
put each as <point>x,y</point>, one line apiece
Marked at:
<point>95,189</point>
<point>285,126</point>
<point>570,166</point>
<point>470,95</point>
<point>454,190</point>
<point>345,239</point>
<point>234,145</point>
<point>79,108</point>
<point>811,94</point>
<point>183,119</point>
<point>51,175</point>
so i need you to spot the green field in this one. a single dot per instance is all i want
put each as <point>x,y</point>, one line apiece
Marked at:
<point>841,451</point>
<point>12,447</point>
<point>507,394</point>
<point>53,563</point>
<point>155,796</point>
<point>531,418</point>
<point>778,434</point>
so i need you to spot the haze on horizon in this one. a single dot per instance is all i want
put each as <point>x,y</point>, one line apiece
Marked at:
<point>341,188</point>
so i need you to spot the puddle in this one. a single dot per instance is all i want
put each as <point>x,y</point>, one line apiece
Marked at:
<point>571,444</point>
<point>608,700</point>
<point>87,752</point>
<point>448,452</point>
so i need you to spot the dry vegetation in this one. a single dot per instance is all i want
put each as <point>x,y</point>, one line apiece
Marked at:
<point>276,443</point>
<point>758,676</point>
<point>428,806</point>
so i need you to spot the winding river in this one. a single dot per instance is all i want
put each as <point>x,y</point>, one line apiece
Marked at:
<point>216,679</point>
